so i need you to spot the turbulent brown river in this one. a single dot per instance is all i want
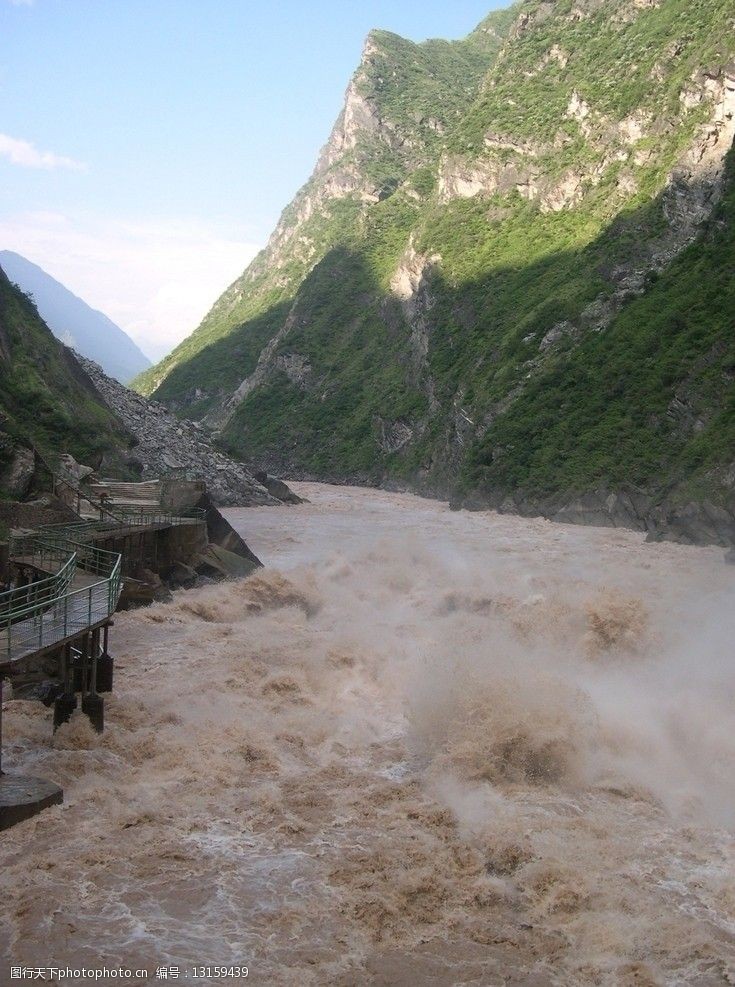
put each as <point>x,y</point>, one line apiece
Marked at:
<point>419,747</point>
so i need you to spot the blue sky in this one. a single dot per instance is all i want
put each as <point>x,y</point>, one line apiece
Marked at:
<point>148,146</point>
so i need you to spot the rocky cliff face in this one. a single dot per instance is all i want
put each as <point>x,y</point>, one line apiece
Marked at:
<point>509,278</point>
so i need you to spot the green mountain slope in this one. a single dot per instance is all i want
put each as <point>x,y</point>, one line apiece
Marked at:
<point>46,399</point>
<point>649,401</point>
<point>510,276</point>
<point>401,101</point>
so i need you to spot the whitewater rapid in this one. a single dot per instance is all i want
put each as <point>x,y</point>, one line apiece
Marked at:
<point>419,747</point>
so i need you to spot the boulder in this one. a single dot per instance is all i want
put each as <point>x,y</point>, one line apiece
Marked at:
<point>181,576</point>
<point>76,472</point>
<point>220,532</point>
<point>16,479</point>
<point>277,488</point>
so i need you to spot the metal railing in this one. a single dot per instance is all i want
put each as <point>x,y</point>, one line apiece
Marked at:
<point>111,514</point>
<point>58,479</point>
<point>51,610</point>
<point>131,517</point>
<point>29,552</point>
<point>158,515</point>
<point>76,530</point>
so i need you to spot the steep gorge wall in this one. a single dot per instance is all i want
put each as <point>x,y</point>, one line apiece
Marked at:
<point>508,279</point>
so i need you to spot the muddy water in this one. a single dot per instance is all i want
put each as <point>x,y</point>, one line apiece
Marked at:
<point>420,748</point>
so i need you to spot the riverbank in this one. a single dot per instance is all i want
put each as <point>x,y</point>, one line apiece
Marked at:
<point>420,746</point>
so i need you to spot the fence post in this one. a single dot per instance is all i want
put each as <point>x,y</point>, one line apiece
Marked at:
<point>2,680</point>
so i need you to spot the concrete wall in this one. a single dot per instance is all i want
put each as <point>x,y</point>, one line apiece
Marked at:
<point>157,549</point>
<point>181,495</point>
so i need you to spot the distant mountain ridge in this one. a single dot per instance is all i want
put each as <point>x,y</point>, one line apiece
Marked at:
<point>75,323</point>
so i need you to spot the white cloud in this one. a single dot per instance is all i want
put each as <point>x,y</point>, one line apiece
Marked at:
<point>23,153</point>
<point>153,278</point>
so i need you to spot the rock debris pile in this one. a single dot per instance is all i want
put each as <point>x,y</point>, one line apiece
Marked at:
<point>169,446</point>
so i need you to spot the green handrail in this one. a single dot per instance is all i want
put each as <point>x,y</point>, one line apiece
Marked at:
<point>57,610</point>
<point>161,515</point>
<point>40,614</point>
<point>127,516</point>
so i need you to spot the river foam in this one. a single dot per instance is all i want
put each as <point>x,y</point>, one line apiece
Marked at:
<point>419,747</point>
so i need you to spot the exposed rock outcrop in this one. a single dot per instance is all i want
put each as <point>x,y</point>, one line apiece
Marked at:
<point>691,522</point>
<point>265,366</point>
<point>410,285</point>
<point>17,475</point>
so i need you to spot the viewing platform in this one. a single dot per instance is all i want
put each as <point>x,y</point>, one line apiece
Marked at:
<point>65,584</point>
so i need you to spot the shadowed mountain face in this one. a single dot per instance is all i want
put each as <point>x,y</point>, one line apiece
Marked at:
<point>46,398</point>
<point>510,276</point>
<point>72,321</point>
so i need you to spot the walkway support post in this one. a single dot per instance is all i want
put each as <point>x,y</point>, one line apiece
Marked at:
<point>105,664</point>
<point>66,703</point>
<point>93,705</point>
<point>2,683</point>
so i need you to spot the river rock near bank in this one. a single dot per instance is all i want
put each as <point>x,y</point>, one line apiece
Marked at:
<point>662,518</point>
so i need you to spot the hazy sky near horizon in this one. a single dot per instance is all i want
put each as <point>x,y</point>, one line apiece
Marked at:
<point>147,147</point>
